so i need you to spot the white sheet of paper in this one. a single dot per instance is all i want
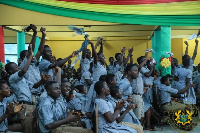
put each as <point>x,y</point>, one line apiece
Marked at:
<point>192,37</point>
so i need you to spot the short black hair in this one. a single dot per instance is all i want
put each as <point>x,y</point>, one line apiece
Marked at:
<point>111,58</point>
<point>140,59</point>
<point>102,77</point>
<point>23,54</point>
<point>164,79</point>
<point>98,86</point>
<point>49,84</point>
<point>186,60</point>
<point>114,90</point>
<point>129,67</point>
<point>2,82</point>
<point>8,67</point>
<point>80,88</point>
<point>109,77</point>
<point>117,54</point>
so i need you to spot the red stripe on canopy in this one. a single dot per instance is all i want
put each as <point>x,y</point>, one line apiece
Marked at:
<point>125,2</point>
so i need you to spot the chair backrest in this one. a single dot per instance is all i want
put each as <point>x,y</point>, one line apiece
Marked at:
<point>95,120</point>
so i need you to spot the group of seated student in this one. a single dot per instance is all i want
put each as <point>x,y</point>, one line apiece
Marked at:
<point>66,99</point>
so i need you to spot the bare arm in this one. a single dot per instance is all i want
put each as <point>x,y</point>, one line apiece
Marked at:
<point>94,53</point>
<point>41,47</point>
<point>186,50</point>
<point>25,68</point>
<point>195,50</point>
<point>63,61</point>
<point>34,28</point>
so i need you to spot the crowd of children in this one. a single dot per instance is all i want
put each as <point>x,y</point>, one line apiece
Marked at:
<point>119,97</point>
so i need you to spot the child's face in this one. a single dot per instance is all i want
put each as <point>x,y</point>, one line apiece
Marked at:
<point>119,94</point>
<point>84,90</point>
<point>114,82</point>
<point>47,53</point>
<point>106,89</point>
<point>65,88</point>
<point>88,54</point>
<point>134,72</point>
<point>111,60</point>
<point>5,90</point>
<point>14,68</point>
<point>102,58</point>
<point>118,57</point>
<point>167,83</point>
<point>157,73</point>
<point>54,91</point>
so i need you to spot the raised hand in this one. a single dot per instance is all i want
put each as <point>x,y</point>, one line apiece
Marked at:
<point>130,50</point>
<point>43,30</point>
<point>17,107</point>
<point>186,42</point>
<point>33,27</point>
<point>45,77</point>
<point>123,50</point>
<point>30,50</point>
<point>74,53</point>
<point>196,41</point>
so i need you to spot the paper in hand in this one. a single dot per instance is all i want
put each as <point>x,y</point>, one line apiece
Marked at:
<point>192,37</point>
<point>79,31</point>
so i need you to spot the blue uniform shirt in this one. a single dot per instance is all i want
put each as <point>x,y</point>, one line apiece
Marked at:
<point>44,67</point>
<point>165,93</point>
<point>4,124</point>
<point>50,111</point>
<point>20,88</point>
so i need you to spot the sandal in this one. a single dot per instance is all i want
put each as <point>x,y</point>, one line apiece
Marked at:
<point>153,128</point>
<point>148,128</point>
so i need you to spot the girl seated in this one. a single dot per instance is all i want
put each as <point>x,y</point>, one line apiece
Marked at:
<point>106,114</point>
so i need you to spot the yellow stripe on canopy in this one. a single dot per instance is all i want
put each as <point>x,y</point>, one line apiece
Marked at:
<point>175,8</point>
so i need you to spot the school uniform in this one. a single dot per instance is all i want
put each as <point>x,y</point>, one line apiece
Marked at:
<point>98,70</point>
<point>138,91</point>
<point>44,67</point>
<point>4,124</point>
<point>183,74</point>
<point>85,64</point>
<point>23,94</point>
<point>91,96</point>
<point>33,76</point>
<point>86,75</point>
<point>78,103</point>
<point>105,126</point>
<point>165,97</point>
<point>111,69</point>
<point>118,71</point>
<point>51,110</point>
<point>125,88</point>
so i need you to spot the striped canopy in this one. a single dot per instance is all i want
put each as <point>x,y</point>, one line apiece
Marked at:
<point>144,12</point>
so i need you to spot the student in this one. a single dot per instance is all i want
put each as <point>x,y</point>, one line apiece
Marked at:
<point>127,116</point>
<point>137,89</point>
<point>194,54</point>
<point>165,94</point>
<point>184,78</point>
<point>111,67</point>
<point>6,109</point>
<point>86,78</point>
<point>22,91</point>
<point>53,115</point>
<point>46,67</point>
<point>99,62</point>
<point>33,76</point>
<point>106,114</point>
